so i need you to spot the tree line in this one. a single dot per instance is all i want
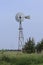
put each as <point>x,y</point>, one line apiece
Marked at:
<point>31,47</point>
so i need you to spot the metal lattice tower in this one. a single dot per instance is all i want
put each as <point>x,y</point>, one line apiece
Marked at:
<point>20,17</point>
<point>21,37</point>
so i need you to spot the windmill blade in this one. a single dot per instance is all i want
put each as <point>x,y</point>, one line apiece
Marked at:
<point>27,17</point>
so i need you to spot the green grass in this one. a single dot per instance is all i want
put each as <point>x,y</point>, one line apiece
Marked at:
<point>14,58</point>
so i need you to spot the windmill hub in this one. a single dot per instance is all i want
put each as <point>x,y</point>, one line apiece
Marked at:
<point>19,17</point>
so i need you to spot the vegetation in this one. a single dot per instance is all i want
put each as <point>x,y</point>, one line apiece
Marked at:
<point>32,55</point>
<point>15,58</point>
<point>31,47</point>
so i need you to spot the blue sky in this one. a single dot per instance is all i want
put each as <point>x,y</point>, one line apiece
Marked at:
<point>9,26</point>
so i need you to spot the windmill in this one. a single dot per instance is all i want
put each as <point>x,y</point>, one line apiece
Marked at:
<point>20,18</point>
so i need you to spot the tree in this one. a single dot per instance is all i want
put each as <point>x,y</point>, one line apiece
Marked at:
<point>29,46</point>
<point>33,45</point>
<point>38,47</point>
<point>42,44</point>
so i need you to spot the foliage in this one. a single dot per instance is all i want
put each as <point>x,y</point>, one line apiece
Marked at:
<point>8,57</point>
<point>29,46</point>
<point>42,44</point>
<point>21,59</point>
<point>39,46</point>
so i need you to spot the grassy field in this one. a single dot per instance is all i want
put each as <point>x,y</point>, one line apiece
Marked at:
<point>15,58</point>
